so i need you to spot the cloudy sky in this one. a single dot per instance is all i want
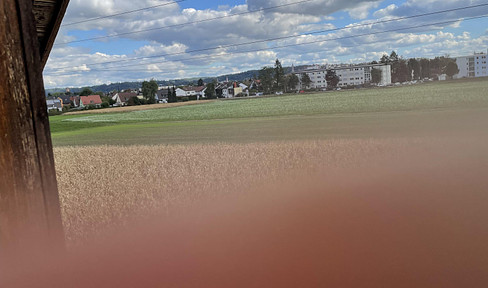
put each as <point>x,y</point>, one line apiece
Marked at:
<point>198,38</point>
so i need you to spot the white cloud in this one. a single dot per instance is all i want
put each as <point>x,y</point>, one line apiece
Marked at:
<point>362,10</point>
<point>227,30</point>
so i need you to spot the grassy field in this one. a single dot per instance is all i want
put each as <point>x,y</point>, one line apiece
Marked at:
<point>310,116</point>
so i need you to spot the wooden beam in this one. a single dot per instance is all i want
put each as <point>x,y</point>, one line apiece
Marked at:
<point>49,15</point>
<point>29,202</point>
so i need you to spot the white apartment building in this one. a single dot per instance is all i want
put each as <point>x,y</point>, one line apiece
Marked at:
<point>349,75</point>
<point>472,66</point>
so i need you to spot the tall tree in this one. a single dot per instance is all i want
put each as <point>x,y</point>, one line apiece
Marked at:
<point>293,82</point>
<point>375,75</point>
<point>424,68</point>
<point>332,79</point>
<point>279,75</point>
<point>210,91</point>
<point>99,93</point>
<point>414,68</point>
<point>394,56</point>
<point>200,82</point>
<point>172,96</point>
<point>266,75</point>
<point>385,59</point>
<point>451,69</point>
<point>169,94</point>
<point>86,91</point>
<point>306,81</point>
<point>149,90</point>
<point>400,71</point>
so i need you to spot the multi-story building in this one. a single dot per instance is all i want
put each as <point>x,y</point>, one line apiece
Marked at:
<point>349,75</point>
<point>472,66</point>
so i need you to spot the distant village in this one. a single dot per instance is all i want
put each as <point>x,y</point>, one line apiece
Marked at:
<point>391,70</point>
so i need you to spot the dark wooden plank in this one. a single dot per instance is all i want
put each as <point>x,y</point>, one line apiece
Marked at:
<point>48,23</point>
<point>29,203</point>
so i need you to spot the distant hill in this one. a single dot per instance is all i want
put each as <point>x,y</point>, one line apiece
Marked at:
<point>106,88</point>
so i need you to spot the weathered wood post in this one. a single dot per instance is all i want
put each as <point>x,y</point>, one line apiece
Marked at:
<point>29,202</point>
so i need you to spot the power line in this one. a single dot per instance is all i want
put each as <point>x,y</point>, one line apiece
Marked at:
<point>290,45</point>
<point>123,13</point>
<point>183,24</point>
<point>284,37</point>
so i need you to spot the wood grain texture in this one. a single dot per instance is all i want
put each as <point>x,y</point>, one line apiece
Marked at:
<point>29,203</point>
<point>48,16</point>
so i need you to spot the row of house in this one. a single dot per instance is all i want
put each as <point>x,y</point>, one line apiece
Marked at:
<point>58,103</point>
<point>226,89</point>
<point>349,75</point>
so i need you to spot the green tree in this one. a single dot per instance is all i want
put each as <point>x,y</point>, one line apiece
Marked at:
<point>210,91</point>
<point>375,75</point>
<point>279,74</point>
<point>394,57</point>
<point>451,69</point>
<point>332,79</point>
<point>292,82</point>
<point>200,82</point>
<point>86,91</point>
<point>424,68</point>
<point>149,90</point>
<point>266,75</point>
<point>306,81</point>
<point>385,59</point>
<point>414,66</point>
<point>133,101</point>
<point>172,96</point>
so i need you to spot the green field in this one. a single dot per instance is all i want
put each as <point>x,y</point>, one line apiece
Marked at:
<point>385,112</point>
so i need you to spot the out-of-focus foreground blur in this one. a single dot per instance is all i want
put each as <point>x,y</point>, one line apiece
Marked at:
<point>402,212</point>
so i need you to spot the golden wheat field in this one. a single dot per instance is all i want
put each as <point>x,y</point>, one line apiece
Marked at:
<point>102,186</point>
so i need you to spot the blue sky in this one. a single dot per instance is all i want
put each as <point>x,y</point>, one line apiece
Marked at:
<point>211,36</point>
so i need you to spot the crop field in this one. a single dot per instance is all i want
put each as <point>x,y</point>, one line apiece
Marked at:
<point>103,186</point>
<point>114,166</point>
<point>301,114</point>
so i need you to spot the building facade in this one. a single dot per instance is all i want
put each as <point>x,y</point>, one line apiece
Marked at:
<point>472,66</point>
<point>349,75</point>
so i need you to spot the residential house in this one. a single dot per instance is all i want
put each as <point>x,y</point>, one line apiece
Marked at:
<point>162,95</point>
<point>122,98</point>
<point>54,104</point>
<point>198,91</point>
<point>89,100</point>
<point>74,101</point>
<point>228,90</point>
<point>65,100</point>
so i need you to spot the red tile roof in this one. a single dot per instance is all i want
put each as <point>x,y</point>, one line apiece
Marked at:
<point>91,100</point>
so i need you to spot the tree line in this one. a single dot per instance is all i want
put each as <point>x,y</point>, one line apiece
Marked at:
<point>403,70</point>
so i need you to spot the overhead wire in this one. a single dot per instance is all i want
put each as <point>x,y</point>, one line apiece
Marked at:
<point>278,38</point>
<point>182,24</point>
<point>284,46</point>
<point>122,13</point>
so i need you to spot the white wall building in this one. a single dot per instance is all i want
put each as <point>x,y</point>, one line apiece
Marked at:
<point>472,66</point>
<point>349,75</point>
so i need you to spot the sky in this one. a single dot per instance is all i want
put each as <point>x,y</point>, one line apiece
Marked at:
<point>174,39</point>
